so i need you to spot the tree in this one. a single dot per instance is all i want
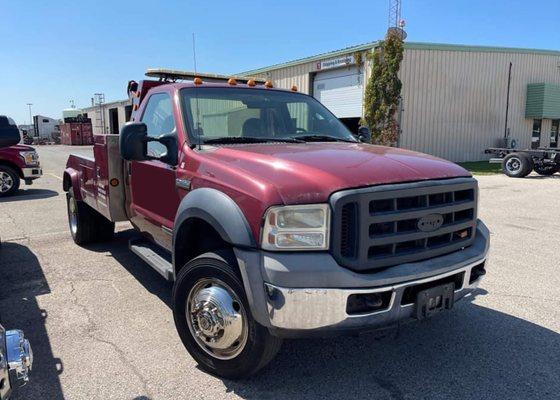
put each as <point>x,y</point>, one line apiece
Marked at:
<point>383,90</point>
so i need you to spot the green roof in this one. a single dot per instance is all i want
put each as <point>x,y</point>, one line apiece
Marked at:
<point>346,50</point>
<point>543,101</point>
<point>407,45</point>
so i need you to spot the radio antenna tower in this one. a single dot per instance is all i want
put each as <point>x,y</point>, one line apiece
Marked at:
<point>394,14</point>
<point>395,23</point>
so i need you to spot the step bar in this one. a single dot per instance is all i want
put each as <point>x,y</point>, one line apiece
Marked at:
<point>154,256</point>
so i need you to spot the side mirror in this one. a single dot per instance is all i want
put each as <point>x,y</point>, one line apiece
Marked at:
<point>364,134</point>
<point>133,141</point>
<point>9,136</point>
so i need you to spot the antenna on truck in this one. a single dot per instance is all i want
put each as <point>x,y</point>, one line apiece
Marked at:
<point>197,128</point>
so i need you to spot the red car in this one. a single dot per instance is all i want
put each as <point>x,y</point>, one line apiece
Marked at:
<point>272,220</point>
<point>18,162</point>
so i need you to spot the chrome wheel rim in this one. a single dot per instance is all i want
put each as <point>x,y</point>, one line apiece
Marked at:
<point>513,165</point>
<point>73,215</point>
<point>217,319</point>
<point>6,182</point>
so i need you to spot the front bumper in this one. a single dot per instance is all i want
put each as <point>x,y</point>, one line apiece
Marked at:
<point>16,360</point>
<point>32,172</point>
<point>283,297</point>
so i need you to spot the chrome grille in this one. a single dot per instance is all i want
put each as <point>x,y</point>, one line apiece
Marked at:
<point>385,225</point>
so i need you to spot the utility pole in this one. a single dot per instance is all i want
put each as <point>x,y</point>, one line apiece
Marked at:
<point>30,117</point>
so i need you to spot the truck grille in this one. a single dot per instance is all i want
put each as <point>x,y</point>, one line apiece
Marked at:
<point>387,225</point>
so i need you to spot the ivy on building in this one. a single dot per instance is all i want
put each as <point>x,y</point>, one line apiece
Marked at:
<point>383,90</point>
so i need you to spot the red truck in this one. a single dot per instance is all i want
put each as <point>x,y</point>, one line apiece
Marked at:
<point>273,220</point>
<point>18,162</point>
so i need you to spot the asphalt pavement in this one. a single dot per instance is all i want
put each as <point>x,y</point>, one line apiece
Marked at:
<point>101,326</point>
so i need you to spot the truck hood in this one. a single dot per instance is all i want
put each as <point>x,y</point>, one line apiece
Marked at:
<point>311,172</point>
<point>19,147</point>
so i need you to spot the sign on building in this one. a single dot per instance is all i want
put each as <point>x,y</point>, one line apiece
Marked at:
<point>336,62</point>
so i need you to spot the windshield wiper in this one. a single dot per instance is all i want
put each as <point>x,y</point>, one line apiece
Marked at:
<point>250,139</point>
<point>323,138</point>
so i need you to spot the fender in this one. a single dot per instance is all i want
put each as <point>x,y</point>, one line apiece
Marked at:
<point>220,211</point>
<point>71,178</point>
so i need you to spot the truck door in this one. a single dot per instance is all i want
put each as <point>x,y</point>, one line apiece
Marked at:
<point>154,198</point>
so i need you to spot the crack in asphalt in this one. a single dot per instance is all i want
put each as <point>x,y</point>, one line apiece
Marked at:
<point>90,333</point>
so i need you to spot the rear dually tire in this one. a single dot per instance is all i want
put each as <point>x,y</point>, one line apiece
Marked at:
<point>87,225</point>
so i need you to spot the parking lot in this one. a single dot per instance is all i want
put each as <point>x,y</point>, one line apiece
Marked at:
<point>101,326</point>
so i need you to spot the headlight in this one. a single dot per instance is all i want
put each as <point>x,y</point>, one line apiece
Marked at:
<point>304,227</point>
<point>30,157</point>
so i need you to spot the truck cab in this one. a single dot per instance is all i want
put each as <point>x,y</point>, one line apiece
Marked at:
<point>17,162</point>
<point>273,220</point>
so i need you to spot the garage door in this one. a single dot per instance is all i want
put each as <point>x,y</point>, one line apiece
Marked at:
<point>341,91</point>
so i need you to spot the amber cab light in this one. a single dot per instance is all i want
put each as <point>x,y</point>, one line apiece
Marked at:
<point>294,88</point>
<point>232,81</point>
<point>197,81</point>
<point>268,84</point>
<point>251,82</point>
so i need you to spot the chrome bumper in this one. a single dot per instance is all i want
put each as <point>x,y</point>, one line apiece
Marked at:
<point>32,172</point>
<point>308,309</point>
<point>16,360</point>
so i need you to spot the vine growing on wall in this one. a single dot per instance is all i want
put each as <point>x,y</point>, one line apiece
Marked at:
<point>383,90</point>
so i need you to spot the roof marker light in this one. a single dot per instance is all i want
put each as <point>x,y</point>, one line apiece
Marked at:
<point>294,88</point>
<point>232,81</point>
<point>268,84</point>
<point>197,81</point>
<point>251,82</point>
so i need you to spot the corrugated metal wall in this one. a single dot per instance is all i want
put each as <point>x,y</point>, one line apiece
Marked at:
<point>454,101</point>
<point>295,75</point>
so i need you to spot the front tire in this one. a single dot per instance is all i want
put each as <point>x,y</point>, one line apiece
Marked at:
<point>9,181</point>
<point>87,225</point>
<point>517,165</point>
<point>214,320</point>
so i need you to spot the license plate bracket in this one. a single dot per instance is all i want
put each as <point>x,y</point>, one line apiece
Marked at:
<point>435,300</point>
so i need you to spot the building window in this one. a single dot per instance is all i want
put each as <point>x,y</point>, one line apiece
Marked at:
<point>46,121</point>
<point>554,132</point>
<point>536,137</point>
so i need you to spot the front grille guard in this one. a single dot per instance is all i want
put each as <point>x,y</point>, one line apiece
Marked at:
<point>376,227</point>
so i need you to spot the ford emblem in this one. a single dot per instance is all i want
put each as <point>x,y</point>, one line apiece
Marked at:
<point>430,223</point>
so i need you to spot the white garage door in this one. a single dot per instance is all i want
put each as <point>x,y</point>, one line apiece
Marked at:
<point>341,91</point>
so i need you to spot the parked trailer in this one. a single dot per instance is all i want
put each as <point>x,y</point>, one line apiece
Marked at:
<point>519,163</point>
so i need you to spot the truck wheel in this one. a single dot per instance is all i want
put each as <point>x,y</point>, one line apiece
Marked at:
<point>546,169</point>
<point>214,320</point>
<point>9,181</point>
<point>517,165</point>
<point>86,224</point>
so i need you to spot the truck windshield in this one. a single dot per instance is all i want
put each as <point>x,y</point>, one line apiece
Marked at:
<point>235,115</point>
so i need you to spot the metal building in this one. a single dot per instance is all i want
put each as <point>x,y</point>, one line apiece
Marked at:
<point>108,118</point>
<point>453,98</point>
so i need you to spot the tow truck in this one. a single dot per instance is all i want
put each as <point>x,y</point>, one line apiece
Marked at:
<point>272,219</point>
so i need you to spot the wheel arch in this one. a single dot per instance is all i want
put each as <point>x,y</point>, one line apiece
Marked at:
<point>14,166</point>
<point>207,220</point>
<point>71,180</point>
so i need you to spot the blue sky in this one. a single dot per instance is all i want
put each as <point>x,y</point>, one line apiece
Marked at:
<point>54,51</point>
